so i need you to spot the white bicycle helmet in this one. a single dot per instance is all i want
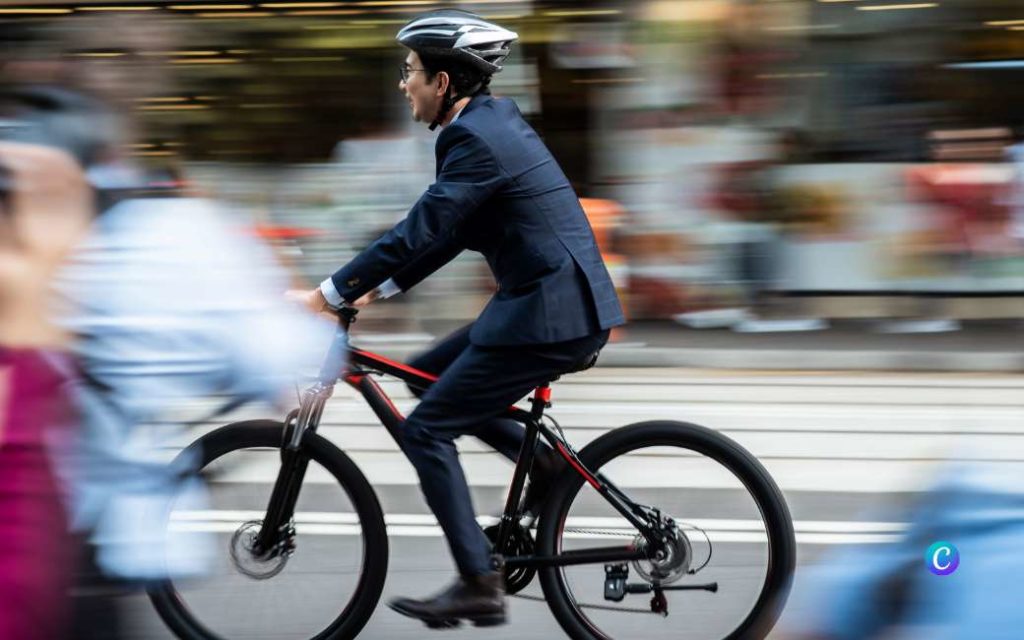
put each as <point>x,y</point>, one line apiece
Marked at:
<point>461,35</point>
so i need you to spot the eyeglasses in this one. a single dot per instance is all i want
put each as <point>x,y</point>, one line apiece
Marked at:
<point>405,70</point>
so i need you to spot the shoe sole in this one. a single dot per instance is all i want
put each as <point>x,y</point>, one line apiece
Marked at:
<point>492,620</point>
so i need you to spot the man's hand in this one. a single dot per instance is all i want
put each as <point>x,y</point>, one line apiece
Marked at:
<point>367,299</point>
<point>312,299</point>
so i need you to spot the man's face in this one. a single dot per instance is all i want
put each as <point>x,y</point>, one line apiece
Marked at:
<point>424,96</point>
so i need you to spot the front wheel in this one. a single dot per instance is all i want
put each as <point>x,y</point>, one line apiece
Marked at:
<point>324,583</point>
<point>726,569</point>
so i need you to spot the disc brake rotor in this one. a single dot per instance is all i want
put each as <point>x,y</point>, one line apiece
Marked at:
<point>670,564</point>
<point>257,567</point>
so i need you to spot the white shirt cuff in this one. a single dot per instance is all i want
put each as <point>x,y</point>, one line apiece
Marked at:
<point>388,289</point>
<point>331,294</point>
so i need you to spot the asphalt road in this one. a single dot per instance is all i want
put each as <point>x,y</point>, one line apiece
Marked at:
<point>847,449</point>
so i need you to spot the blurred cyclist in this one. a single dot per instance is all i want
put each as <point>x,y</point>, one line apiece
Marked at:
<point>164,299</point>
<point>500,192</point>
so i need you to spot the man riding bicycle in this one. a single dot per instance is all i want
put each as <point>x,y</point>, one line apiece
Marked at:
<point>500,192</point>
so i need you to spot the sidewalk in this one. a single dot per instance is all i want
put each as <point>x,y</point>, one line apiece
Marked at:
<point>980,346</point>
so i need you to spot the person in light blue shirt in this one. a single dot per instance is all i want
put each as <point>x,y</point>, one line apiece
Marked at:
<point>954,574</point>
<point>168,301</point>
<point>165,299</point>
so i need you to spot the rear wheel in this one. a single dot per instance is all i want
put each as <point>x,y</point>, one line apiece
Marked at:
<point>327,583</point>
<point>730,538</point>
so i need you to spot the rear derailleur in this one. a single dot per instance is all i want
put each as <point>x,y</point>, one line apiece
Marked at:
<point>616,587</point>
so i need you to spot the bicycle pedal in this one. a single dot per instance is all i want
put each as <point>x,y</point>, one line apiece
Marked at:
<point>450,623</point>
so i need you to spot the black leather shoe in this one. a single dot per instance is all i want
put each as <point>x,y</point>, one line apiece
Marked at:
<point>479,600</point>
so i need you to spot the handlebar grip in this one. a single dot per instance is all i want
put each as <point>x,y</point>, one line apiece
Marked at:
<point>345,314</point>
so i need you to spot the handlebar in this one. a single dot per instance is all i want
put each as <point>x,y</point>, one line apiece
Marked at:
<point>333,363</point>
<point>346,316</point>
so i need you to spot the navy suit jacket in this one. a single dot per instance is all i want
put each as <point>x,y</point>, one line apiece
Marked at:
<point>500,192</point>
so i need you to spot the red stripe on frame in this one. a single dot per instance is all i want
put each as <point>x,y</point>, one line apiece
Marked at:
<point>399,365</point>
<point>575,465</point>
<point>391,405</point>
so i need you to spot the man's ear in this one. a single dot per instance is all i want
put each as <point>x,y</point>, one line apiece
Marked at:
<point>443,80</point>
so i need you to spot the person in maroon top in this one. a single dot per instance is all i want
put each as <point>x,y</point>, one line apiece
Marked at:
<point>44,209</point>
<point>36,553</point>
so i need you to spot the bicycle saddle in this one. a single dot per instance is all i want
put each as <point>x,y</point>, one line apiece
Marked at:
<point>583,365</point>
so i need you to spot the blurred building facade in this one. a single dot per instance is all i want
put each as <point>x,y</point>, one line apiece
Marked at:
<point>830,151</point>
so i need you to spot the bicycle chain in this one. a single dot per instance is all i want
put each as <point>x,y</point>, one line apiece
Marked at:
<point>600,607</point>
<point>602,532</point>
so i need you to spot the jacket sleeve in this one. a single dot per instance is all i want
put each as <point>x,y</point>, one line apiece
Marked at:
<point>424,240</point>
<point>427,263</point>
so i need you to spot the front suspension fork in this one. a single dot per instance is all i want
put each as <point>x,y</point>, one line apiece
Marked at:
<point>277,523</point>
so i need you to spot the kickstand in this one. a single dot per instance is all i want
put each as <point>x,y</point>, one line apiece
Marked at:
<point>658,602</point>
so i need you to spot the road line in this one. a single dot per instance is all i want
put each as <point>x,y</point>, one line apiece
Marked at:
<point>424,525</point>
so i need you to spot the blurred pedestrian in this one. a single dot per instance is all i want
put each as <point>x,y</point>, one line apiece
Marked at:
<point>44,208</point>
<point>953,575</point>
<point>164,300</point>
<point>1015,156</point>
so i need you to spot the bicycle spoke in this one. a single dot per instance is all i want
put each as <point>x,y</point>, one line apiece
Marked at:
<point>318,565</point>
<point>707,574</point>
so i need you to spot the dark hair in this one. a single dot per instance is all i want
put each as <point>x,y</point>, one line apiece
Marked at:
<point>464,78</point>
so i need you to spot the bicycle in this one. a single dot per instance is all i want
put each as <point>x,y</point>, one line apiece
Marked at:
<point>662,550</point>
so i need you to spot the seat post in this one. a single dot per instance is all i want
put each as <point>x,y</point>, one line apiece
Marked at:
<point>541,400</point>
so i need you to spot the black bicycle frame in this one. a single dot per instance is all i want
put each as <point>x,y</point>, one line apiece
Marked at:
<point>362,365</point>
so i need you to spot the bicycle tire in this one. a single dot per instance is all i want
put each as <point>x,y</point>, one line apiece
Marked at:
<point>782,542</point>
<point>268,434</point>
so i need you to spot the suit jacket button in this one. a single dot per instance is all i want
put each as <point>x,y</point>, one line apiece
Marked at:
<point>353,282</point>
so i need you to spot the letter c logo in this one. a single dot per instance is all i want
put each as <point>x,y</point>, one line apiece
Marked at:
<point>942,558</point>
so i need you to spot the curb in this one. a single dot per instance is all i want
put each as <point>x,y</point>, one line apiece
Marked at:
<point>823,360</point>
<point>790,360</point>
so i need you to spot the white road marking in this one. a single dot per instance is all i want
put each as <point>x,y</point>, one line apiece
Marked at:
<point>593,528</point>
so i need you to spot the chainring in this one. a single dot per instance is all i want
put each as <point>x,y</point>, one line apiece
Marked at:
<point>520,544</point>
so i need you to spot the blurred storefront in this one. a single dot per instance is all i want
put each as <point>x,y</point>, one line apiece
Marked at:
<point>830,151</point>
<point>826,149</point>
